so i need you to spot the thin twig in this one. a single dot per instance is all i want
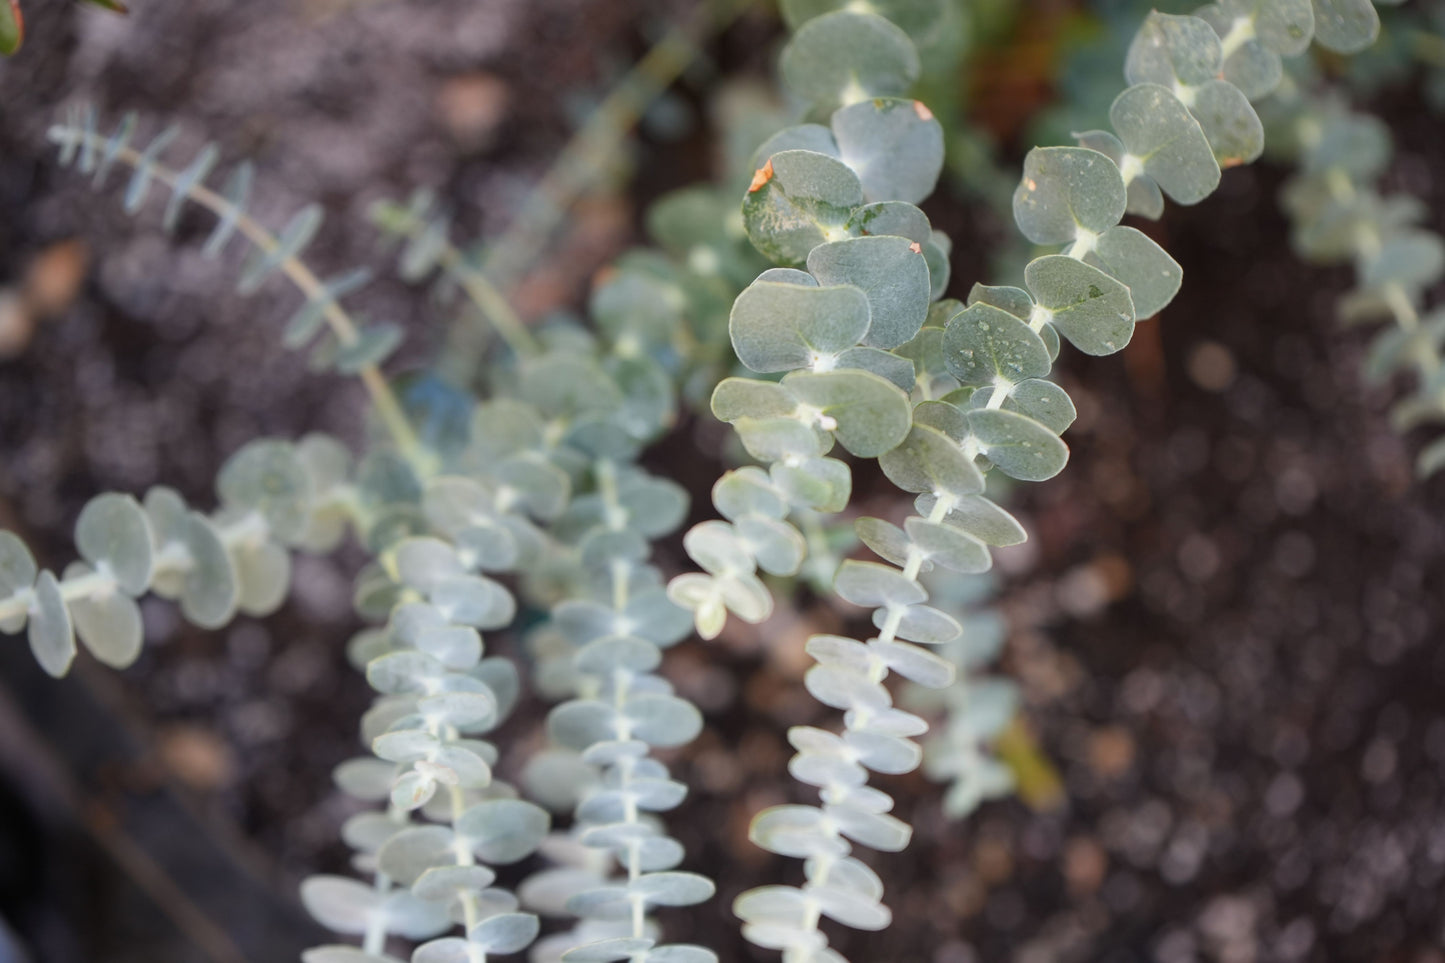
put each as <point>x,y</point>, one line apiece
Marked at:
<point>306,281</point>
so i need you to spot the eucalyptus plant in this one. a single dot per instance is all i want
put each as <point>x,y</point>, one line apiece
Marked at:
<point>832,206</point>
<point>1341,215</point>
<point>814,318</point>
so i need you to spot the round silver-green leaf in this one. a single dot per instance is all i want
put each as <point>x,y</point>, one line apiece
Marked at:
<point>109,624</point>
<point>930,461</point>
<point>1065,191</point>
<point>52,637</point>
<point>1170,144</point>
<point>1346,26</point>
<point>1019,446</point>
<point>1171,50</point>
<point>1151,275</point>
<point>778,327</point>
<point>895,146</point>
<point>845,57</point>
<point>798,200</point>
<point>870,415</point>
<point>1089,308</point>
<point>891,271</point>
<point>984,345</point>
<point>268,477</point>
<point>210,591</point>
<point>112,534</point>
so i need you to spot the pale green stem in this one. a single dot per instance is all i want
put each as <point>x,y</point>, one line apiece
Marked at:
<point>1240,33</point>
<point>306,281</point>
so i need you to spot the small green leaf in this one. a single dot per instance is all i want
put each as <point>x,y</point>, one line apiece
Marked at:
<point>895,146</point>
<point>209,593</point>
<point>777,439</point>
<point>778,327</point>
<point>984,344</point>
<point>1358,144</point>
<point>52,637</point>
<point>717,549</point>
<point>373,345</point>
<point>263,576</point>
<point>870,414</point>
<point>798,200</point>
<point>1252,66</point>
<point>893,274</point>
<point>891,217</point>
<point>747,491</point>
<point>1015,301</point>
<point>929,461</point>
<point>915,664</point>
<point>1087,306</point>
<point>980,517</point>
<point>1230,124</point>
<point>662,720</point>
<point>937,252</point>
<point>1284,26</point>
<point>504,831</point>
<point>1170,144</point>
<point>844,57</point>
<point>292,240</point>
<point>1346,26</point>
<point>778,547</point>
<point>1170,50</point>
<point>267,477</point>
<point>1019,446</point>
<point>1411,259</point>
<point>922,623</point>
<point>503,934</point>
<point>109,624</point>
<point>822,484</point>
<point>948,546</point>
<point>1067,193</point>
<point>736,398</point>
<point>1145,268</point>
<point>888,541</point>
<point>17,574</point>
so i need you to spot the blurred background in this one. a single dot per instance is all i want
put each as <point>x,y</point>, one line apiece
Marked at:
<point>1226,625</point>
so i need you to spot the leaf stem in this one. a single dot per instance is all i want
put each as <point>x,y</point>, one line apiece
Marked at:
<point>313,288</point>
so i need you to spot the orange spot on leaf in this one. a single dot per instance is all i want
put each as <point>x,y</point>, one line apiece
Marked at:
<point>761,176</point>
<point>916,248</point>
<point>921,109</point>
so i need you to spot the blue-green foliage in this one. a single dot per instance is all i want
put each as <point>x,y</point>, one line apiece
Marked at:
<point>346,347</point>
<point>864,357</point>
<point>1341,216</point>
<point>978,401</point>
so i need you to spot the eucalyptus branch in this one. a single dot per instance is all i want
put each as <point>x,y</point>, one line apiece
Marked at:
<point>429,247</point>
<point>847,316</point>
<point>360,350</point>
<point>1340,215</point>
